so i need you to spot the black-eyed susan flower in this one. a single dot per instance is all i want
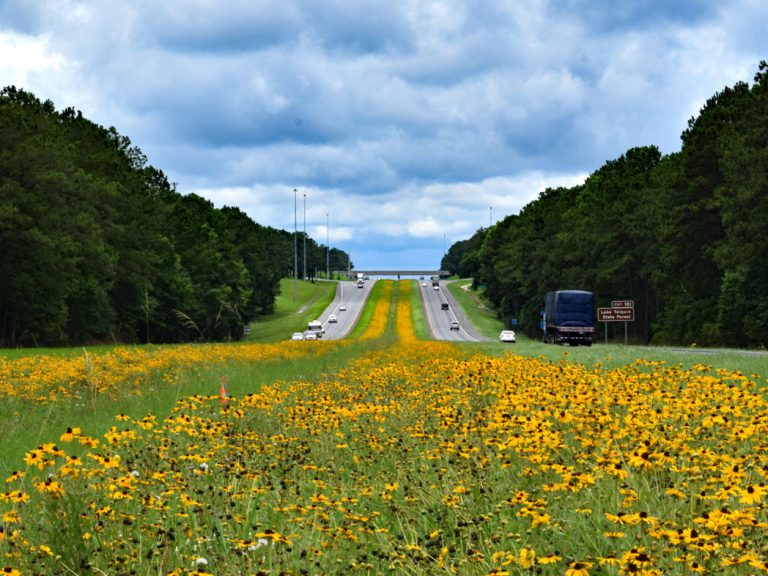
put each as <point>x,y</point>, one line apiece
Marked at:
<point>580,568</point>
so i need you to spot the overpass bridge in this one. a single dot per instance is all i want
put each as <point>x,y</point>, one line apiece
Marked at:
<point>373,272</point>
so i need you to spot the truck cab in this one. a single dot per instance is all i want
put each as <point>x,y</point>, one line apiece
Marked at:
<point>316,327</point>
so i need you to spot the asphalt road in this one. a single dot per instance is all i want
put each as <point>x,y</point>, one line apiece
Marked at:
<point>439,320</point>
<point>351,297</point>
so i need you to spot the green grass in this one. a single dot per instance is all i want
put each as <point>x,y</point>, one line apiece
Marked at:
<point>417,313</point>
<point>292,315</point>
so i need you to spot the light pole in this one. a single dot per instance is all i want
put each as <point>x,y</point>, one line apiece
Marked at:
<point>304,277</point>
<point>295,250</point>
<point>327,246</point>
<point>490,217</point>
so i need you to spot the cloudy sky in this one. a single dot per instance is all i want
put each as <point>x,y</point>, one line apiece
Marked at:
<point>408,124</point>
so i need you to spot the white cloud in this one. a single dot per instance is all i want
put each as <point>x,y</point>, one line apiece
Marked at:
<point>409,124</point>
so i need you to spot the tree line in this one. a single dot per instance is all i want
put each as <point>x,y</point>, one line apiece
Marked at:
<point>683,234</point>
<point>98,246</point>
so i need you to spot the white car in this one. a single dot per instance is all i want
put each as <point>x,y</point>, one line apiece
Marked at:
<point>507,336</point>
<point>342,308</point>
<point>297,336</point>
<point>310,336</point>
<point>424,284</point>
<point>455,325</point>
<point>332,319</point>
<point>436,287</point>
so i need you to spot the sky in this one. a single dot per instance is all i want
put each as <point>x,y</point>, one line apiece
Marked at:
<point>387,128</point>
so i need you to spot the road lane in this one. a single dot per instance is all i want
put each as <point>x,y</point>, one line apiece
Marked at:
<point>347,306</point>
<point>439,320</point>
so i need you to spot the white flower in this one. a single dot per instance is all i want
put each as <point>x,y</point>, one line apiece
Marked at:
<point>203,466</point>
<point>260,543</point>
<point>135,473</point>
<point>201,562</point>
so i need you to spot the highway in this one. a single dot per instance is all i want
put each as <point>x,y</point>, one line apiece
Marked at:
<point>348,296</point>
<point>439,320</point>
<point>349,302</point>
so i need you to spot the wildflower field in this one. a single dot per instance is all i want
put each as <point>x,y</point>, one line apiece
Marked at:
<point>416,457</point>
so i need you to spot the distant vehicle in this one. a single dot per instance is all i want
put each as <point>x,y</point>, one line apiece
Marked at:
<point>435,280</point>
<point>360,276</point>
<point>316,328</point>
<point>297,336</point>
<point>444,306</point>
<point>435,287</point>
<point>310,336</point>
<point>569,317</point>
<point>507,336</point>
<point>361,283</point>
<point>424,284</point>
<point>455,325</point>
<point>342,308</point>
<point>332,319</point>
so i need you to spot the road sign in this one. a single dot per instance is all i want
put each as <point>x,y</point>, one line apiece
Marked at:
<point>623,304</point>
<point>625,314</point>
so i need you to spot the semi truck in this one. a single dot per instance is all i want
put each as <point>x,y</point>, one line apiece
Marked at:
<point>569,317</point>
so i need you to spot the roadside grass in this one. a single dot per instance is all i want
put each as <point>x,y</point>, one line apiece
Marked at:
<point>292,315</point>
<point>417,313</point>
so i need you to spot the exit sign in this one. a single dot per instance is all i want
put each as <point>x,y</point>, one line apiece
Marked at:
<point>622,304</point>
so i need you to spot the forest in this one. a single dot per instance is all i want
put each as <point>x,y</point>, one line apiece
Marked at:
<point>684,235</point>
<point>98,246</point>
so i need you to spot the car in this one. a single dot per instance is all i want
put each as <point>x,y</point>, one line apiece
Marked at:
<point>342,308</point>
<point>297,336</point>
<point>332,319</point>
<point>436,287</point>
<point>455,325</point>
<point>507,336</point>
<point>424,284</point>
<point>310,336</point>
<point>444,306</point>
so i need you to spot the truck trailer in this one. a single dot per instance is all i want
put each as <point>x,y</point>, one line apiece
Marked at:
<point>569,317</point>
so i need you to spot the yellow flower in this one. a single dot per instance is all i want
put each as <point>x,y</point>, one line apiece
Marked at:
<point>526,558</point>
<point>578,569</point>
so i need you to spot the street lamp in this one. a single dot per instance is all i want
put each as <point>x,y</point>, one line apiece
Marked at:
<point>304,277</point>
<point>295,250</point>
<point>490,217</point>
<point>327,247</point>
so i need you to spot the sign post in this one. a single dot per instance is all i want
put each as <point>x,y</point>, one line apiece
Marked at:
<point>620,311</point>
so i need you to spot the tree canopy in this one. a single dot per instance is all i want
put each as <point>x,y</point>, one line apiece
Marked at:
<point>99,246</point>
<point>683,235</point>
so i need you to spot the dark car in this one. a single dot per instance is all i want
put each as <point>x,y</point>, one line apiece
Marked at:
<point>444,306</point>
